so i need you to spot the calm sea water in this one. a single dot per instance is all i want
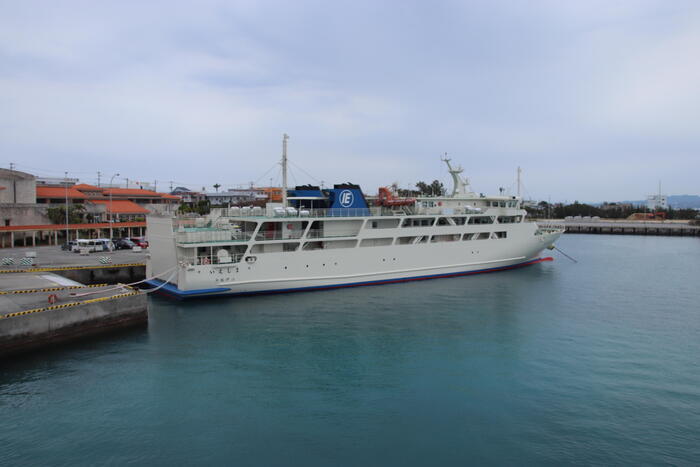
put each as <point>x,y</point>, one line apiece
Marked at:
<point>559,363</point>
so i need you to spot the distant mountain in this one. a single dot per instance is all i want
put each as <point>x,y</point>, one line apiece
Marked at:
<point>676,201</point>
<point>684,201</point>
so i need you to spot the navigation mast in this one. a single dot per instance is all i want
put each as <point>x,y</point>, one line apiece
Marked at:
<point>459,185</point>
<point>284,169</point>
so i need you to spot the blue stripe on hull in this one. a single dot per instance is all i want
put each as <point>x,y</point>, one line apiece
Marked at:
<point>172,291</point>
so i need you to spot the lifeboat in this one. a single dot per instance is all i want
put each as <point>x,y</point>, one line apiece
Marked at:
<point>387,198</point>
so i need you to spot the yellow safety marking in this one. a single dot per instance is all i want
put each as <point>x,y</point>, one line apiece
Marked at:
<point>71,268</point>
<point>66,305</point>
<point>49,289</point>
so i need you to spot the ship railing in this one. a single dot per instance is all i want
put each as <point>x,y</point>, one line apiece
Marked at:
<point>213,236</point>
<point>283,235</point>
<point>320,233</point>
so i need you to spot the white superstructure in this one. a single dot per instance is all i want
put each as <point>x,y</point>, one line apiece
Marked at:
<point>320,243</point>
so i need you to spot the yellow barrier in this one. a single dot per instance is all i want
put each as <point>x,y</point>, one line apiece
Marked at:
<point>66,305</point>
<point>50,289</point>
<point>70,268</point>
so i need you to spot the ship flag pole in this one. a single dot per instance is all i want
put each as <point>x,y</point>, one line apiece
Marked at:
<point>284,170</point>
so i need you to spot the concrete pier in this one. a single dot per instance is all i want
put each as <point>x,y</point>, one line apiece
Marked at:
<point>625,227</point>
<point>67,320</point>
<point>48,302</point>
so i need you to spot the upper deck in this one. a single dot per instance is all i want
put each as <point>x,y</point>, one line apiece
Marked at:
<point>246,224</point>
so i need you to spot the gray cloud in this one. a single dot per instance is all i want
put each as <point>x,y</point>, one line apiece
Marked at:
<point>594,100</point>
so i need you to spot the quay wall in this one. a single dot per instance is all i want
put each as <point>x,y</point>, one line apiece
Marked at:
<point>60,324</point>
<point>624,227</point>
<point>101,275</point>
<point>630,228</point>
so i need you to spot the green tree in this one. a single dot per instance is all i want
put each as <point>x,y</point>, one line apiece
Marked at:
<point>436,188</point>
<point>76,214</point>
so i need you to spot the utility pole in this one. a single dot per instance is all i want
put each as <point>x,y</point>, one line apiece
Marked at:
<point>111,214</point>
<point>155,185</point>
<point>284,170</point>
<point>127,183</point>
<point>98,178</point>
<point>171,186</point>
<point>14,184</point>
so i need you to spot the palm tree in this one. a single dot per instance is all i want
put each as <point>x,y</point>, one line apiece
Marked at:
<point>216,187</point>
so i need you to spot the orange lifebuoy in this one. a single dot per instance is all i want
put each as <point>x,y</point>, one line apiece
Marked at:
<point>53,298</point>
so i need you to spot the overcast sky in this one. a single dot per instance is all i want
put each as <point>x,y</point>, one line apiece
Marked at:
<point>595,100</point>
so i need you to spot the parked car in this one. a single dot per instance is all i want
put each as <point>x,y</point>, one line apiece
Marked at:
<point>140,241</point>
<point>124,244</point>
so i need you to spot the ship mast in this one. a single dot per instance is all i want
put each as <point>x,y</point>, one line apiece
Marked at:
<point>459,186</point>
<point>520,171</point>
<point>284,169</point>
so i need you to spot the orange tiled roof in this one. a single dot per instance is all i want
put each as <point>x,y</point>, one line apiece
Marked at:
<point>166,196</point>
<point>58,192</point>
<point>131,192</point>
<point>121,206</point>
<point>86,187</point>
<point>51,227</point>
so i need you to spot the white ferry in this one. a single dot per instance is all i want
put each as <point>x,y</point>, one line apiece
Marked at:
<point>328,238</point>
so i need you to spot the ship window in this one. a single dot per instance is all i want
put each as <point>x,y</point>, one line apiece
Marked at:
<point>417,222</point>
<point>444,238</point>
<point>274,247</point>
<point>383,224</point>
<point>482,236</point>
<point>468,236</point>
<point>501,234</point>
<point>413,240</point>
<point>481,220</point>
<point>376,242</point>
<point>329,244</point>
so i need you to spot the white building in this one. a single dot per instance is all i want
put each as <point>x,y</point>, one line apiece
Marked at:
<point>656,202</point>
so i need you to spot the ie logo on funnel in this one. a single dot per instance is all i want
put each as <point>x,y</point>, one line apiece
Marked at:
<point>346,198</point>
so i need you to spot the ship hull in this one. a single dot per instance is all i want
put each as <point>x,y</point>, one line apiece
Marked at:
<point>308,285</point>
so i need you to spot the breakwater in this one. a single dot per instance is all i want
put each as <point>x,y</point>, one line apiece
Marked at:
<point>615,227</point>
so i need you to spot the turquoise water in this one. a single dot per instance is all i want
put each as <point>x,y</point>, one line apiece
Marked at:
<point>558,363</point>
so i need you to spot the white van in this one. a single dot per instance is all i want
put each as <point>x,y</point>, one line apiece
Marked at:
<point>92,244</point>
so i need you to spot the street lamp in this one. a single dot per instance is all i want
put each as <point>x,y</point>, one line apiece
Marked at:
<point>111,215</point>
